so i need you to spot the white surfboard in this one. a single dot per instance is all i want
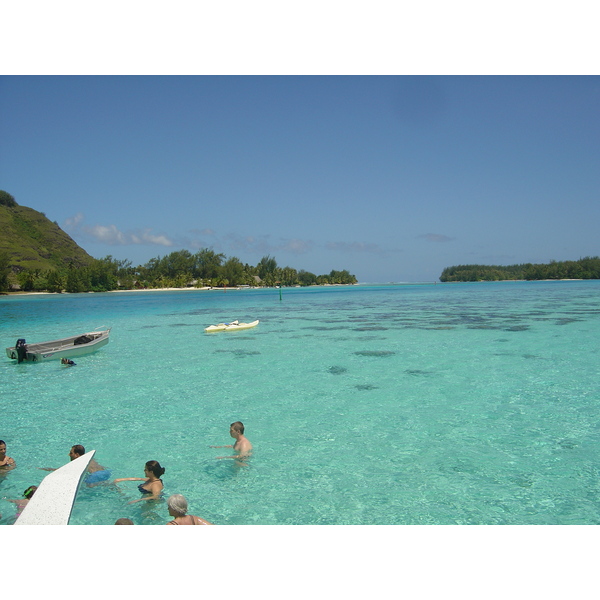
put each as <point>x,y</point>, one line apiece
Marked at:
<point>53,501</point>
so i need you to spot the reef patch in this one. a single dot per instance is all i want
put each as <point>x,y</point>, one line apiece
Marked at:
<point>337,370</point>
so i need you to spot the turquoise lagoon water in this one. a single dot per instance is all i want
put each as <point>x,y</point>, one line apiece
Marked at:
<point>404,404</point>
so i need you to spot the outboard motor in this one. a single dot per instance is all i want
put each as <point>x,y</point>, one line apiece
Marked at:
<point>21,348</point>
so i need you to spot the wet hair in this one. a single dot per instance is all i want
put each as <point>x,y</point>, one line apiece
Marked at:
<point>238,426</point>
<point>78,449</point>
<point>123,521</point>
<point>2,442</point>
<point>178,504</point>
<point>30,491</point>
<point>154,467</point>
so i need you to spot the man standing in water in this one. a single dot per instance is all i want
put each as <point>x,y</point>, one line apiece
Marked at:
<point>97,473</point>
<point>242,445</point>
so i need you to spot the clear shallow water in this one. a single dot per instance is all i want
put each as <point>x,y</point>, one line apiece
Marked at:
<point>447,404</point>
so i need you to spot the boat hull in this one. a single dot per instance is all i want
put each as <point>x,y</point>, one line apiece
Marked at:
<point>64,348</point>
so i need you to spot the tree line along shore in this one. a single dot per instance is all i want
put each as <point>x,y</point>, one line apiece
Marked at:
<point>584,268</point>
<point>178,269</point>
<point>36,255</point>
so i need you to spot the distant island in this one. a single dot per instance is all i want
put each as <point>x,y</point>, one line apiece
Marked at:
<point>36,255</point>
<point>584,268</point>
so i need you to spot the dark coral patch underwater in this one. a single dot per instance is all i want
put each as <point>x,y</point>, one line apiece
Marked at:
<point>240,353</point>
<point>337,370</point>
<point>418,372</point>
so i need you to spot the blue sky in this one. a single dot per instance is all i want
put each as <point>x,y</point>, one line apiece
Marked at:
<point>391,177</point>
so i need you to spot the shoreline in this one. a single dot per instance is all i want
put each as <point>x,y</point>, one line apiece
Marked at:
<point>237,289</point>
<point>170,289</point>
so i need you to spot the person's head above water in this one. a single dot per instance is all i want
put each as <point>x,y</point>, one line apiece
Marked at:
<point>238,427</point>
<point>76,451</point>
<point>153,466</point>
<point>30,491</point>
<point>178,504</point>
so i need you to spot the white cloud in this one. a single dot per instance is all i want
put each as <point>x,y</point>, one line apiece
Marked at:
<point>146,237</point>
<point>265,244</point>
<point>73,222</point>
<point>206,231</point>
<point>297,246</point>
<point>435,237</point>
<point>233,243</point>
<point>354,247</point>
<point>112,235</point>
<point>106,235</point>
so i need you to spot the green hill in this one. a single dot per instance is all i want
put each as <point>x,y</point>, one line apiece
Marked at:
<point>31,241</point>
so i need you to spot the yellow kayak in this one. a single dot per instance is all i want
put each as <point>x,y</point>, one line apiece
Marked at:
<point>233,326</point>
<point>219,327</point>
<point>236,326</point>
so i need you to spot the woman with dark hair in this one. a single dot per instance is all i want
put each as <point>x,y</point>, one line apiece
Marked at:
<point>6,462</point>
<point>22,502</point>
<point>153,485</point>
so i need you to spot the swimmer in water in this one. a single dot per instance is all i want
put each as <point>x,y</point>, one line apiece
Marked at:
<point>6,462</point>
<point>242,445</point>
<point>152,486</point>
<point>96,473</point>
<point>178,507</point>
<point>22,502</point>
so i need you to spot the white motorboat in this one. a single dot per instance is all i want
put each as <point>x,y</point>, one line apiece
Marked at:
<point>76,345</point>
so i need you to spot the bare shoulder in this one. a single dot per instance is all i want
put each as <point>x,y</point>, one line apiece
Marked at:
<point>243,446</point>
<point>93,466</point>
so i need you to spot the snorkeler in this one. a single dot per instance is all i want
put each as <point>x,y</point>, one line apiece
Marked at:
<point>23,502</point>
